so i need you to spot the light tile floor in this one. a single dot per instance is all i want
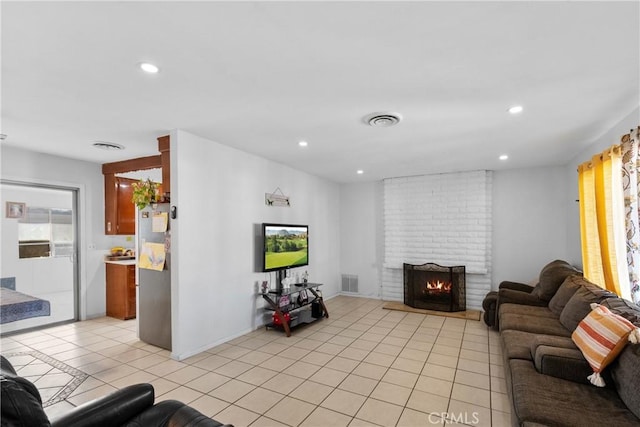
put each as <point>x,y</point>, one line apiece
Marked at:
<point>364,366</point>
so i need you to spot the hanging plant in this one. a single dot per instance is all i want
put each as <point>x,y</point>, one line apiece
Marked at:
<point>144,193</point>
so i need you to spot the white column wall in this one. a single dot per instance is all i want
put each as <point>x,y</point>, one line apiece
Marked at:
<point>219,193</point>
<point>361,235</point>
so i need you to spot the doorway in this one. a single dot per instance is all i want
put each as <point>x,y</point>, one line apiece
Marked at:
<point>39,258</point>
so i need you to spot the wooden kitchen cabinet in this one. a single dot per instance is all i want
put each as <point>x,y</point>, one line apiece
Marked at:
<point>121,290</point>
<point>120,212</point>
<point>126,218</point>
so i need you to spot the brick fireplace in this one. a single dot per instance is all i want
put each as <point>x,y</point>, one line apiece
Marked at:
<point>434,287</point>
<point>440,218</point>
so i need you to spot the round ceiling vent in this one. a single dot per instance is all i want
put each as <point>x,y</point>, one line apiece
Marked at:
<point>108,145</point>
<point>383,120</point>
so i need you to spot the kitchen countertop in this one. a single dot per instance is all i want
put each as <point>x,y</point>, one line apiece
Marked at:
<point>121,262</point>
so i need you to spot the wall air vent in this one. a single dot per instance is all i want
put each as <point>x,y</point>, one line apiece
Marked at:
<point>383,119</point>
<point>350,283</point>
<point>103,145</point>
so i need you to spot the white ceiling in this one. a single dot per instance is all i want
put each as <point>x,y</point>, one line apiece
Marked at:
<point>260,76</point>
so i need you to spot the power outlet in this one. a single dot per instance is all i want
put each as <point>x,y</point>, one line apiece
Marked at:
<point>92,246</point>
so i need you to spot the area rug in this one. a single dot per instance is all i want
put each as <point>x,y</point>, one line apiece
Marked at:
<point>469,314</point>
<point>17,306</point>
<point>54,379</point>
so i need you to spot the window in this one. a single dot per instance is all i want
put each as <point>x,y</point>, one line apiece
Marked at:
<point>45,233</point>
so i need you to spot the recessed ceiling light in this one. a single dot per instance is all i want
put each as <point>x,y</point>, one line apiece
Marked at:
<point>359,171</point>
<point>516,109</point>
<point>303,143</point>
<point>103,145</point>
<point>149,68</point>
<point>503,157</point>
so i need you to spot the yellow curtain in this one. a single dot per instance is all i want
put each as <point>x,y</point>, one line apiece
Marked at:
<point>589,238</point>
<point>602,221</point>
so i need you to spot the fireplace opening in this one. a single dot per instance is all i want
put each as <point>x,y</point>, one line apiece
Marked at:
<point>434,287</point>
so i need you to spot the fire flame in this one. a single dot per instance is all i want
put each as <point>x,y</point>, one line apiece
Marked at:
<point>437,287</point>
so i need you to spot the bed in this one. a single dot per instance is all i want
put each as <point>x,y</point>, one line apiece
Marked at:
<point>16,306</point>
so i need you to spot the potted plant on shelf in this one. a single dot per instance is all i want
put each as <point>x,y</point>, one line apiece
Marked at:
<point>144,193</point>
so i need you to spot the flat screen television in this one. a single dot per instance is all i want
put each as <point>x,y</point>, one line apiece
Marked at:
<point>285,246</point>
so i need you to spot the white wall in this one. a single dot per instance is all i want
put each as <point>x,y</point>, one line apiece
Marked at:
<point>609,138</point>
<point>361,235</point>
<point>32,167</point>
<point>529,225</point>
<point>529,222</point>
<point>219,192</point>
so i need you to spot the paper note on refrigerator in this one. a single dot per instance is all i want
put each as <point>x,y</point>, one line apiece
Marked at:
<point>159,222</point>
<point>152,256</point>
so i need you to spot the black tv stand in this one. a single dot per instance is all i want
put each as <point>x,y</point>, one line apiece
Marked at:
<point>299,312</point>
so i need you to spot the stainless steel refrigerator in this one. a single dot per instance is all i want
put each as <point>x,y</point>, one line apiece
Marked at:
<point>154,287</point>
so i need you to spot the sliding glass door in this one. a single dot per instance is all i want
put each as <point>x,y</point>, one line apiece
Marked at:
<point>38,269</point>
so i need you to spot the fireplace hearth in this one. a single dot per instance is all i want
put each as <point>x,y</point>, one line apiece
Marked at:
<point>434,287</point>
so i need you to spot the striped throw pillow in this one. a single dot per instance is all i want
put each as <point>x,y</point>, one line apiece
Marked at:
<point>601,336</point>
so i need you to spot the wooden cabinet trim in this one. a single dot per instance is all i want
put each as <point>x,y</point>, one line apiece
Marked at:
<point>163,143</point>
<point>110,204</point>
<point>165,158</point>
<point>141,163</point>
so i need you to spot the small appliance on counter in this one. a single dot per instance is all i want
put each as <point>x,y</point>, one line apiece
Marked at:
<point>119,253</point>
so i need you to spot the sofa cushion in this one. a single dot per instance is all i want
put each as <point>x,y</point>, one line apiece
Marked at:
<point>510,296</point>
<point>523,345</point>
<point>625,371</point>
<point>552,401</point>
<point>551,341</point>
<point>528,310</point>
<point>533,324</point>
<point>601,336</point>
<point>516,344</point>
<point>565,363</point>
<point>569,287</point>
<point>624,308</point>
<point>579,305</point>
<point>551,277</point>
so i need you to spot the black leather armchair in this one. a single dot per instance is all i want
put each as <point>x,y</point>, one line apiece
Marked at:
<point>131,406</point>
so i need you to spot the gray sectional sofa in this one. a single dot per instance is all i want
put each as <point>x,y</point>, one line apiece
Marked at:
<point>546,373</point>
